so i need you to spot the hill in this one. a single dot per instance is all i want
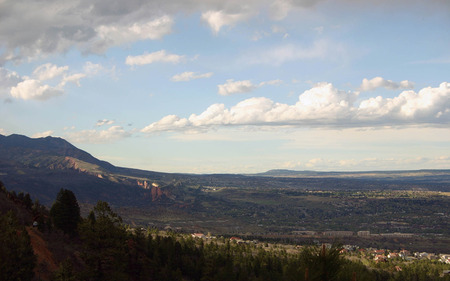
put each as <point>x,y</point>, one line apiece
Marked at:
<point>278,203</point>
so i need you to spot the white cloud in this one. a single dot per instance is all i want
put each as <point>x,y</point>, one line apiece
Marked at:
<point>188,76</point>
<point>159,56</point>
<point>104,122</point>
<point>217,19</point>
<point>91,68</point>
<point>49,71</point>
<point>90,27</point>
<point>74,78</point>
<point>271,82</point>
<point>95,26</point>
<point>8,79</point>
<point>33,89</point>
<point>110,35</point>
<point>27,88</point>
<point>233,87</point>
<point>168,123</point>
<point>428,105</point>
<point>379,82</point>
<point>98,136</point>
<point>43,134</point>
<point>245,86</point>
<point>321,106</point>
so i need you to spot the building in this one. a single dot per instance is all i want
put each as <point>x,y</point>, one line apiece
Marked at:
<point>198,235</point>
<point>338,233</point>
<point>363,233</point>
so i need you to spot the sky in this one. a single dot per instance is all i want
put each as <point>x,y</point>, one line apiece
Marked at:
<point>208,86</point>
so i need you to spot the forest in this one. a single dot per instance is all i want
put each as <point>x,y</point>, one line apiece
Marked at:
<point>101,247</point>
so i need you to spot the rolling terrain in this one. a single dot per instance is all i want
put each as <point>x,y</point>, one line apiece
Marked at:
<point>276,203</point>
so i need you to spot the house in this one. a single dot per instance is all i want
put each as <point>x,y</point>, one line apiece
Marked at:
<point>393,255</point>
<point>445,259</point>
<point>237,240</point>
<point>379,252</point>
<point>198,235</point>
<point>380,258</point>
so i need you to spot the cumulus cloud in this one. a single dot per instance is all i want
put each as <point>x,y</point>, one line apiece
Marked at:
<point>168,123</point>
<point>379,82</point>
<point>234,87</point>
<point>245,86</point>
<point>28,88</point>
<point>428,105</point>
<point>188,76</point>
<point>34,89</point>
<point>159,56</point>
<point>217,19</point>
<point>49,71</point>
<point>321,106</point>
<point>98,136</point>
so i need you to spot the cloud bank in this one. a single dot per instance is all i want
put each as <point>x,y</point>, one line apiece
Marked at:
<point>321,106</point>
<point>95,26</point>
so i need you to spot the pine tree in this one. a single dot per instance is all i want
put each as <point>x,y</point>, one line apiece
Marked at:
<point>65,212</point>
<point>17,259</point>
<point>321,263</point>
<point>105,244</point>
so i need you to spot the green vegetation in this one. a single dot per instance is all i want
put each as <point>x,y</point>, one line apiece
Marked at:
<point>65,212</point>
<point>104,248</point>
<point>17,259</point>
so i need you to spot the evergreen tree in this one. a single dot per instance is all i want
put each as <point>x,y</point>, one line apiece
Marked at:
<point>105,245</point>
<point>65,212</point>
<point>321,263</point>
<point>65,272</point>
<point>17,259</point>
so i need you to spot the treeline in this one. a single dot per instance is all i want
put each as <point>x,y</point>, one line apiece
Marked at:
<point>102,247</point>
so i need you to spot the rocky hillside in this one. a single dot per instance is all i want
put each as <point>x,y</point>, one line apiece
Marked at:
<point>43,166</point>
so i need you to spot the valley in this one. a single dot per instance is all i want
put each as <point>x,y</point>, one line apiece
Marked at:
<point>406,206</point>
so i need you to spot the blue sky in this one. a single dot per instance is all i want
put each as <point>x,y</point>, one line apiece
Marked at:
<point>232,86</point>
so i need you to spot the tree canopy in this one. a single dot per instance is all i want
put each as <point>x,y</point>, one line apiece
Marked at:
<point>17,259</point>
<point>65,212</point>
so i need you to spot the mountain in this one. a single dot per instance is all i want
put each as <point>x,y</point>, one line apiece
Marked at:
<point>42,166</point>
<point>278,201</point>
<point>442,176</point>
<point>42,151</point>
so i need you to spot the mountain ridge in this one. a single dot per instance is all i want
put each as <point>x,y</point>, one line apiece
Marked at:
<point>44,165</point>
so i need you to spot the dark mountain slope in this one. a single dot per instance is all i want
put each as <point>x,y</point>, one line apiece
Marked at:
<point>43,166</point>
<point>23,149</point>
